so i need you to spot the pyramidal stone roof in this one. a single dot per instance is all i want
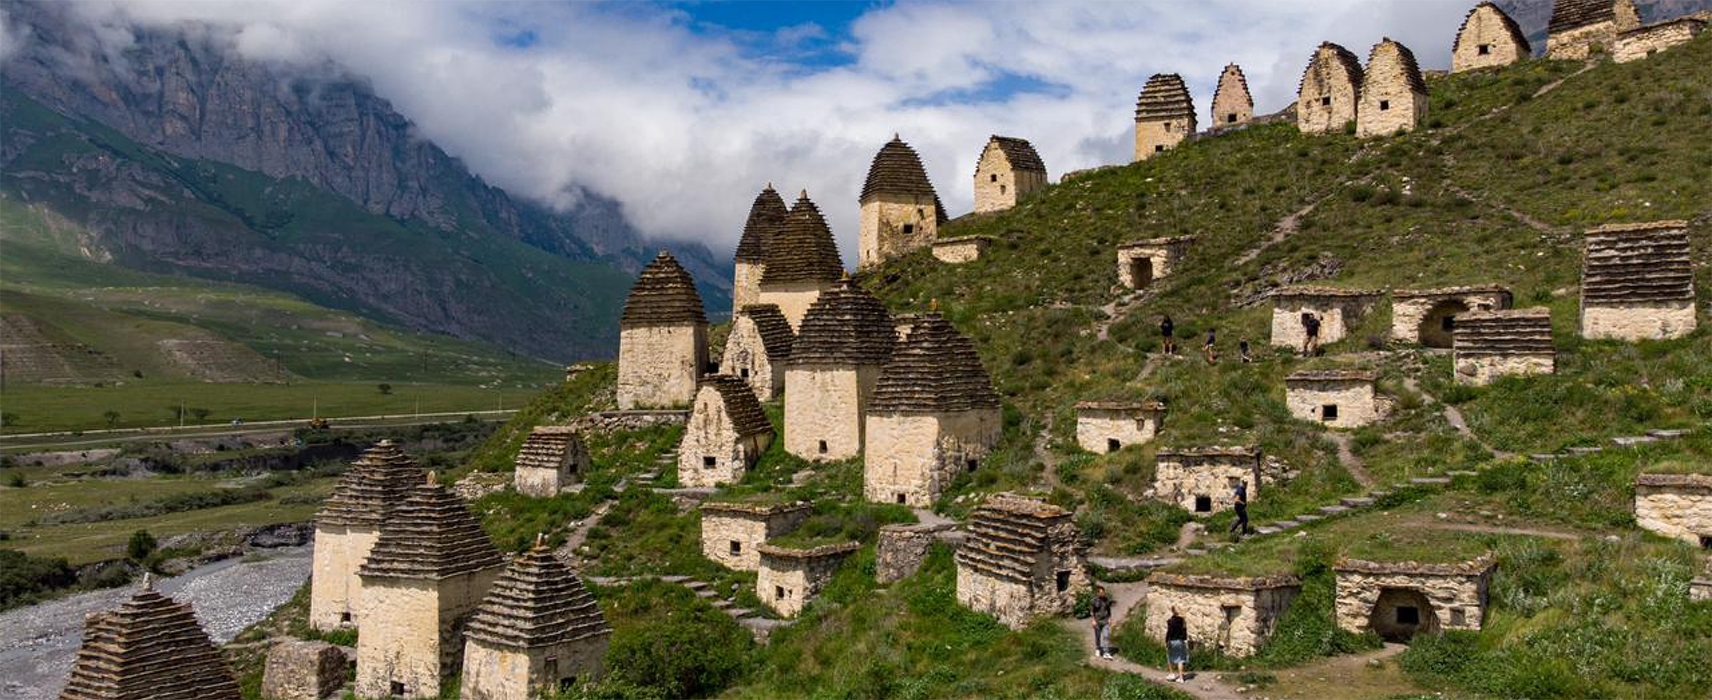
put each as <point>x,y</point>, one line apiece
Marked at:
<point>1343,58</point>
<point>546,446</point>
<point>430,535</point>
<point>897,170</point>
<point>776,334</point>
<point>1233,79</point>
<point>845,326</point>
<point>664,294</point>
<point>1510,27</point>
<point>803,251</point>
<point>1638,263</point>
<point>1019,152</point>
<point>1575,14</point>
<point>741,406</point>
<point>149,648</point>
<point>537,602</point>
<point>1503,333</point>
<point>1384,51</point>
<point>934,369</point>
<point>375,482</point>
<point>1007,533</point>
<point>766,217</point>
<point>1164,97</point>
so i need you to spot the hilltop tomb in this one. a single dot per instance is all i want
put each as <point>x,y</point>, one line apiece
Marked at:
<point>1492,344</point>
<point>148,648</point>
<point>1393,94</point>
<point>1233,614</point>
<point>427,572</point>
<point>1142,262</point>
<point>1582,27</point>
<point>802,263</point>
<point>1399,600</point>
<point>1678,506</point>
<point>1103,427</point>
<point>1330,89</point>
<point>1428,316</point>
<point>1636,44</point>
<point>1338,398</point>
<point>1022,559</point>
<point>1008,170</point>
<point>662,341</point>
<point>551,459</point>
<point>757,349</point>
<point>346,529</point>
<point>1637,282</point>
<point>760,233</point>
<point>790,577</point>
<point>1232,104</point>
<point>732,533</point>
<point>538,630</point>
<point>1202,480</point>
<point>844,341</point>
<point>726,433</point>
<point>961,249</point>
<point>1164,115</point>
<point>900,210</point>
<point>1488,38</point>
<point>1337,309</point>
<point>934,415</point>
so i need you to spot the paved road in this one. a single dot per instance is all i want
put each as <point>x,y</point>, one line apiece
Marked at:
<point>38,643</point>
<point>30,441</point>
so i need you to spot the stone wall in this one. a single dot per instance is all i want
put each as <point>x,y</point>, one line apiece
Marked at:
<point>1355,401</point>
<point>1418,317</point>
<point>786,583</point>
<point>1675,505</point>
<point>794,298</point>
<point>411,632</point>
<point>1646,41</point>
<point>299,670</point>
<point>617,421</point>
<point>998,186</point>
<point>1098,424</point>
<point>733,537</point>
<point>1204,483</point>
<point>1022,558</point>
<point>902,548</point>
<point>497,673</point>
<point>335,590</point>
<point>1580,42</point>
<point>894,225</point>
<point>745,286</point>
<point>1337,315</point>
<point>746,358</point>
<point>1485,42</point>
<point>910,459</point>
<point>658,365</point>
<point>712,453</point>
<point>1014,603</point>
<point>1390,101</point>
<point>1653,321</point>
<point>1327,98</point>
<point>1142,262</point>
<point>1455,595</point>
<point>1234,615</point>
<point>1483,370</point>
<point>961,249</point>
<point>1232,103</point>
<point>826,405</point>
<point>1155,137</point>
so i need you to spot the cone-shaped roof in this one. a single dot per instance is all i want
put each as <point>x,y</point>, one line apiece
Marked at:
<point>430,535</point>
<point>776,334</point>
<point>375,482</point>
<point>766,217</point>
<point>846,325</point>
<point>741,406</point>
<point>1389,50</point>
<point>1340,59</point>
<point>897,170</point>
<point>1233,85</point>
<point>150,648</point>
<point>1510,27</point>
<point>803,250</point>
<point>1164,97</point>
<point>537,602</point>
<point>664,294</point>
<point>1019,152</point>
<point>934,369</point>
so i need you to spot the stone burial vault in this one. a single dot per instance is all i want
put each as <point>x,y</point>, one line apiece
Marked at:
<point>726,433</point>
<point>1675,505</point>
<point>1233,614</point>
<point>732,533</point>
<point>1337,309</point>
<point>1428,316</point>
<point>1202,480</point>
<point>1493,344</point>
<point>1399,600</point>
<point>551,459</point>
<point>1142,262</point>
<point>792,576</point>
<point>1104,427</point>
<point>1335,398</point>
<point>1022,559</point>
<point>1637,282</point>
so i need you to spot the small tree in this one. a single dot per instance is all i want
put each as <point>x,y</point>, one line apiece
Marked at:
<point>112,417</point>
<point>8,418</point>
<point>384,388</point>
<point>200,413</point>
<point>142,544</point>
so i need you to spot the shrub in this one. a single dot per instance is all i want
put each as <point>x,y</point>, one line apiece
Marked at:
<point>23,578</point>
<point>668,641</point>
<point>141,545</point>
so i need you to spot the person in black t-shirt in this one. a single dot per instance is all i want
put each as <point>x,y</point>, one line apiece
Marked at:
<point>1310,334</point>
<point>1165,330</point>
<point>1177,647</point>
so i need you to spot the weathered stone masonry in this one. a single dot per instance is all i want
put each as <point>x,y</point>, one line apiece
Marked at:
<point>802,263</point>
<point>1581,27</point>
<point>726,434</point>
<point>1331,85</point>
<point>1333,398</point>
<point>1492,344</point>
<point>1636,44</point>
<point>1233,614</point>
<point>934,415</point>
<point>1337,309</point>
<point>1109,426</point>
<point>662,341</point>
<point>149,648</point>
<point>303,670</point>
<point>552,458</point>
<point>1675,505</point>
<point>1637,282</point>
<point>790,577</point>
<point>1023,559</point>
<point>1393,94</point>
<point>900,211</point>
<point>732,533</point>
<point>1164,115</point>
<point>845,340</point>
<point>903,547</point>
<point>1401,599</point>
<point>760,232</point>
<point>961,249</point>
<point>757,349</point>
<point>1142,262</point>
<point>1428,316</point>
<point>537,630</point>
<point>1232,104</point>
<point>346,529</point>
<point>1202,480</point>
<point>1488,38</point>
<point>1009,170</point>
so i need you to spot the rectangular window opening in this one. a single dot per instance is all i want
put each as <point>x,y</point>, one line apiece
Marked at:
<point>1063,581</point>
<point>823,447</point>
<point>345,616</point>
<point>744,373</point>
<point>1231,612</point>
<point>1484,49</point>
<point>994,177</point>
<point>736,547</point>
<point>902,498</point>
<point>1159,149</point>
<point>1001,189</point>
<point>1458,617</point>
<point>1203,504</point>
<point>1230,118</point>
<point>1706,541</point>
<point>1384,105</point>
<point>709,461</point>
<point>909,228</point>
<point>1447,324</point>
<point>396,689</point>
<point>1325,101</point>
<point>972,464</point>
<point>1328,412</point>
<point>1408,615</point>
<point>1112,445</point>
<point>778,593</point>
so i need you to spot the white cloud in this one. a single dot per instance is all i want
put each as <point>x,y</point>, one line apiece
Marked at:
<point>683,125</point>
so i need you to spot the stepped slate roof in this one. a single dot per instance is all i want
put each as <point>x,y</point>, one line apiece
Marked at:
<point>1240,583</point>
<point>376,481</point>
<point>1503,333</point>
<point>1574,14</point>
<point>933,370</point>
<point>537,602</point>
<point>776,334</point>
<point>1007,535</point>
<point>766,216</point>
<point>1019,152</point>
<point>1637,263</point>
<point>149,648</point>
<point>1510,27</point>
<point>546,446</point>
<point>1405,57</point>
<point>1148,406</point>
<point>1332,375</point>
<point>1238,81</point>
<point>803,251</point>
<point>897,170</point>
<point>431,535</point>
<point>741,406</point>
<point>845,326</point>
<point>664,294</point>
<point>1164,97</point>
<point>1459,291</point>
<point>1345,59</point>
<point>1222,452</point>
<point>1475,567</point>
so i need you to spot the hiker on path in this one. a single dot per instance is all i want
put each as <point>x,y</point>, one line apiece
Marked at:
<point>1310,334</point>
<point>1101,607</point>
<point>1208,348</point>
<point>1239,500</point>
<point>1165,330</point>
<point>1177,648</point>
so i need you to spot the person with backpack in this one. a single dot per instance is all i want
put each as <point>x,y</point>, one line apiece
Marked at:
<point>1310,334</point>
<point>1166,328</point>
<point>1210,347</point>
<point>1239,501</point>
<point>1177,648</point>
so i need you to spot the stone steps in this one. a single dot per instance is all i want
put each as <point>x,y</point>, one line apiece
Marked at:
<point>1430,480</point>
<point>1356,502</point>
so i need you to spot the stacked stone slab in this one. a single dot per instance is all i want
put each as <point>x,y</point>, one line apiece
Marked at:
<point>902,323</point>
<point>802,264</point>
<point>662,339</point>
<point>766,218</point>
<point>1022,559</point>
<point>1582,27</point>
<point>1488,38</point>
<point>149,648</point>
<point>537,630</point>
<point>845,340</point>
<point>1233,614</point>
<point>1678,506</point>
<point>303,670</point>
<point>348,525</point>
<point>902,547</point>
<point>423,578</point>
<point>1637,282</point>
<point>1428,316</point>
<point>790,577</point>
<point>900,211</point>
<point>1233,106</point>
<point>1164,115</point>
<point>1636,44</point>
<point>732,533</point>
<point>1330,90</point>
<point>758,347</point>
<point>1108,426</point>
<point>961,249</point>
<point>1202,480</point>
<point>726,433</point>
<point>1337,309</point>
<point>1399,600</point>
<point>1335,398</point>
<point>1141,262</point>
<point>1393,94</point>
<point>1008,170</point>
<point>934,415</point>
<point>552,458</point>
<point>1493,344</point>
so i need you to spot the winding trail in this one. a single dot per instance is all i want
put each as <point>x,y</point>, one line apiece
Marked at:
<point>1351,462</point>
<point>1125,597</point>
<point>1455,419</point>
<point>1502,530</point>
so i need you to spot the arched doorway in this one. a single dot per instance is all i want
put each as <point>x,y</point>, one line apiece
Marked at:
<point>1402,613</point>
<point>1439,322</point>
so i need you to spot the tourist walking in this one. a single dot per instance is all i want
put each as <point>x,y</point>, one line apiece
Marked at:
<point>1209,348</point>
<point>1165,330</point>
<point>1310,334</point>
<point>1101,607</point>
<point>1177,648</point>
<point>1239,501</point>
